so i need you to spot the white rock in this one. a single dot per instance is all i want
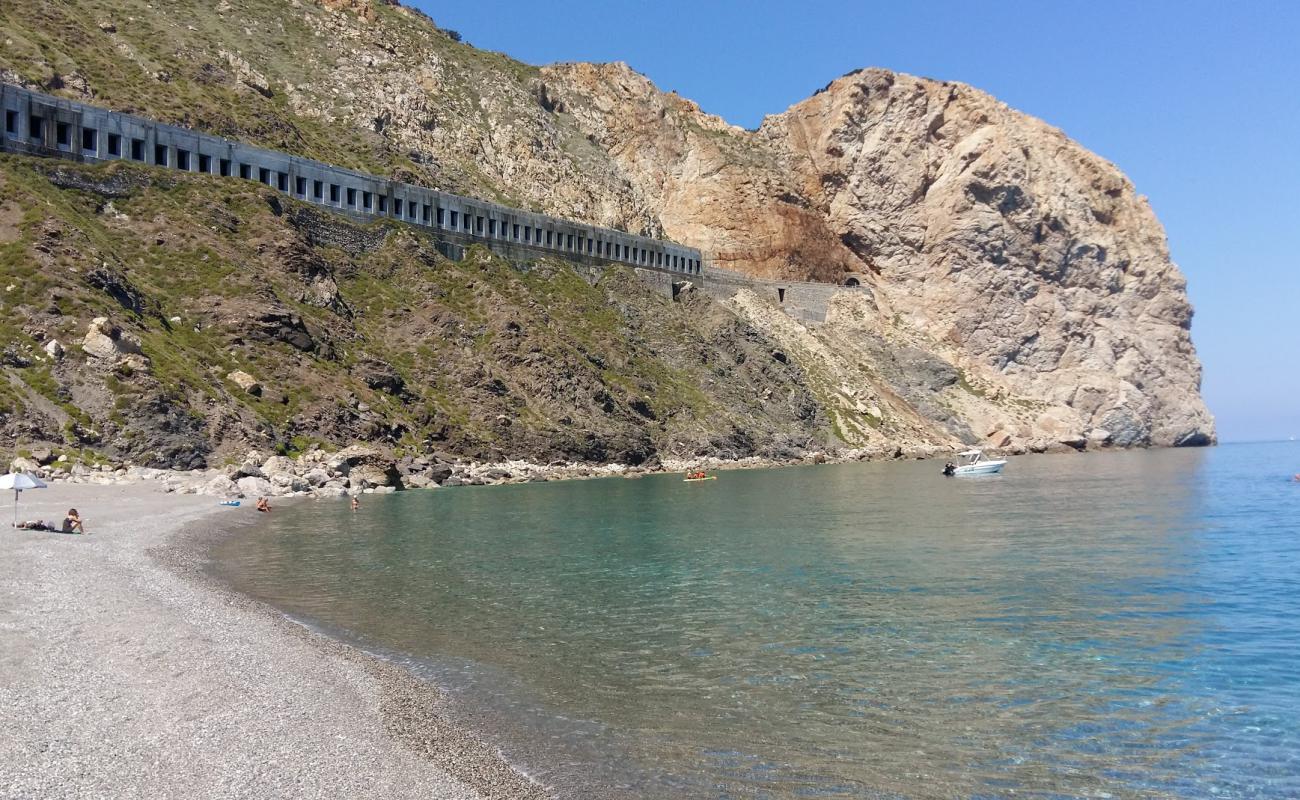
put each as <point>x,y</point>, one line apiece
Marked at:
<point>107,341</point>
<point>255,487</point>
<point>221,486</point>
<point>245,381</point>
<point>277,465</point>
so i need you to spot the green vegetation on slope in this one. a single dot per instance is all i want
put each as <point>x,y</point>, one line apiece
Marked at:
<point>353,333</point>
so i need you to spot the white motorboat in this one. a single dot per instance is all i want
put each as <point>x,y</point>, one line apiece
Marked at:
<point>973,462</point>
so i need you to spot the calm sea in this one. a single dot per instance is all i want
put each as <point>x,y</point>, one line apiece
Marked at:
<point>1109,625</point>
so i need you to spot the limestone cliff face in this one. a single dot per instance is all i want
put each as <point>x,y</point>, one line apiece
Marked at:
<point>1027,258</point>
<point>1021,275</point>
<point>1022,257</point>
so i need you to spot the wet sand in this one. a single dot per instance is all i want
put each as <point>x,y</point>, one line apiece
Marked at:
<point>126,672</point>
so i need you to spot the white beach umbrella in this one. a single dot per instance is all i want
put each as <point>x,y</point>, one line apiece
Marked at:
<point>19,481</point>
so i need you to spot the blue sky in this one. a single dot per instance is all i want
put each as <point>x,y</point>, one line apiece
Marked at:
<point>1198,102</point>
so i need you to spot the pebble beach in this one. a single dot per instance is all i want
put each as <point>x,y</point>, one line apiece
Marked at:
<point>125,671</point>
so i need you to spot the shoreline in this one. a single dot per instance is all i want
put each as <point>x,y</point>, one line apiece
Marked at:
<point>361,469</point>
<point>130,670</point>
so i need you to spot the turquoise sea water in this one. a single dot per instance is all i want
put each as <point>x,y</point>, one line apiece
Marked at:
<point>1110,625</point>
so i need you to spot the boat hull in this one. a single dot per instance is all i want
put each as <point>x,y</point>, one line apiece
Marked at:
<point>982,468</point>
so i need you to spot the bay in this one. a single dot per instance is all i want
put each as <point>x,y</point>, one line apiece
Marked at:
<point>1116,624</point>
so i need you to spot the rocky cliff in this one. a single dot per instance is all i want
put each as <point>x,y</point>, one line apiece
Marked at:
<point>1021,257</point>
<point>1020,293</point>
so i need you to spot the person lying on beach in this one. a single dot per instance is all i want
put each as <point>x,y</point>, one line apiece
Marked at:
<point>73,523</point>
<point>35,525</point>
<point>263,505</point>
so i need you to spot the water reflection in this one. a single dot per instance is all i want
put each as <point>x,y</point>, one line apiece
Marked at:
<point>846,631</point>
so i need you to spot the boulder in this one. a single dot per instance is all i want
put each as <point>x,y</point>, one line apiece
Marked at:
<point>245,381</point>
<point>355,455</point>
<point>107,341</point>
<point>1076,442</point>
<point>380,377</point>
<point>1061,425</point>
<point>248,469</point>
<point>21,464</point>
<point>255,487</point>
<point>277,465</point>
<point>1099,437</point>
<point>54,349</point>
<point>317,477</point>
<point>366,476</point>
<point>220,486</point>
<point>42,456</point>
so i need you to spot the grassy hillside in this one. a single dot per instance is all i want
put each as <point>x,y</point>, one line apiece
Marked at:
<point>353,332</point>
<point>259,71</point>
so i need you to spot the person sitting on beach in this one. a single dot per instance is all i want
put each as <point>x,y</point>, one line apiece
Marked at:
<point>263,505</point>
<point>73,523</point>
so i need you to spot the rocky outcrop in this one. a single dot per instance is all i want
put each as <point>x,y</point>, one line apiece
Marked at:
<point>245,381</point>
<point>1021,257</point>
<point>108,342</point>
<point>1021,291</point>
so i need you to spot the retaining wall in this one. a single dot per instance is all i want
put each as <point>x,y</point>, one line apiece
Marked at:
<point>41,125</point>
<point>802,300</point>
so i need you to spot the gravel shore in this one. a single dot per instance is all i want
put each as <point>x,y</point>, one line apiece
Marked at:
<point>125,672</point>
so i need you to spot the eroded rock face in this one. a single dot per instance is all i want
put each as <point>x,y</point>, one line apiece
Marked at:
<point>1024,258</point>
<point>1031,260</point>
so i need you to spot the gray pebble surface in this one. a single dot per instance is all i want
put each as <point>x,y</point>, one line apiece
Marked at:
<point>126,673</point>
